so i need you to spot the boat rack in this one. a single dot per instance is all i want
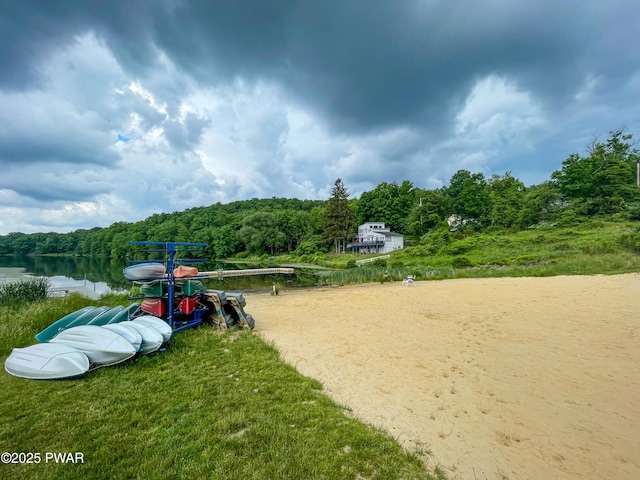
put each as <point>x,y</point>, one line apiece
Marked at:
<point>174,316</point>
<point>184,304</point>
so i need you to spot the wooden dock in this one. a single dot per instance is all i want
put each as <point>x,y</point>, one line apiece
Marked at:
<point>242,273</point>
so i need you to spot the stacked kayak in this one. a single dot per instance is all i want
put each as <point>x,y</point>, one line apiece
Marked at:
<point>87,339</point>
<point>144,271</point>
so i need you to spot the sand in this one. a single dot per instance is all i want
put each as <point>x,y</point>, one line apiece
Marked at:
<point>516,378</point>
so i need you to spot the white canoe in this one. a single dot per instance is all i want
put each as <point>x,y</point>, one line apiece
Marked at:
<point>127,332</point>
<point>46,361</point>
<point>144,271</point>
<point>151,338</point>
<point>102,346</point>
<point>157,323</point>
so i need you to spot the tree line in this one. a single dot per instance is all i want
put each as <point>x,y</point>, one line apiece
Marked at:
<point>601,183</point>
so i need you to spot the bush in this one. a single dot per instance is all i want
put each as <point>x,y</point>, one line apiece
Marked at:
<point>437,239</point>
<point>351,263</point>
<point>461,246</point>
<point>310,246</point>
<point>462,262</point>
<point>634,211</point>
<point>631,241</point>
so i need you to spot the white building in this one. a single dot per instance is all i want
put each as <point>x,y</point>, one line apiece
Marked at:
<point>376,237</point>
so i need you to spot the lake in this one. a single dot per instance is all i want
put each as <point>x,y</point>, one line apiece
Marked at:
<point>101,275</point>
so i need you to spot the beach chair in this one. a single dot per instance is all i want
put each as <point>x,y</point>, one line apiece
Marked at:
<point>410,280</point>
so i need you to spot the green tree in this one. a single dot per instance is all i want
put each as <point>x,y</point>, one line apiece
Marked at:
<point>428,212</point>
<point>339,218</point>
<point>507,195</point>
<point>260,233</point>
<point>225,241</point>
<point>542,203</point>
<point>603,182</point>
<point>468,196</point>
<point>316,216</point>
<point>389,203</point>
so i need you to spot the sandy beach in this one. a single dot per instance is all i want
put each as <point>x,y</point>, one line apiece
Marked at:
<point>515,378</point>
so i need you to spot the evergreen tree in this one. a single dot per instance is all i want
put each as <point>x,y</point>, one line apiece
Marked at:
<point>339,219</point>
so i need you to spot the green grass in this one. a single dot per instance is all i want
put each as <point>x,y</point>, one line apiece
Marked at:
<point>595,247</point>
<point>214,405</point>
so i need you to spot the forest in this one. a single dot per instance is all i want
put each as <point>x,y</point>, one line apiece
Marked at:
<point>601,183</point>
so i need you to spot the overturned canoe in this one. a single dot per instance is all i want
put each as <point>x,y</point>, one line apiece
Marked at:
<point>153,289</point>
<point>144,271</point>
<point>107,316</point>
<point>124,314</point>
<point>89,317</point>
<point>103,347</point>
<point>185,271</point>
<point>84,319</point>
<point>152,339</point>
<point>155,307</point>
<point>189,304</point>
<point>157,323</point>
<point>191,287</point>
<point>131,334</point>
<point>46,361</point>
<point>59,325</point>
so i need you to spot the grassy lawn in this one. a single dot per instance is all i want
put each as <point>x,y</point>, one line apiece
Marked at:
<point>214,405</point>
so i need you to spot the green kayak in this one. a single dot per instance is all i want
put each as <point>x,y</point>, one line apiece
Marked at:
<point>154,289</point>
<point>59,325</point>
<point>106,316</point>
<point>88,317</point>
<point>191,287</point>
<point>124,314</point>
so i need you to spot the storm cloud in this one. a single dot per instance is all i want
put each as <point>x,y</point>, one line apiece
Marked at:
<point>222,101</point>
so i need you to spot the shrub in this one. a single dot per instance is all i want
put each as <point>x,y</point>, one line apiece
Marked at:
<point>351,263</point>
<point>461,262</point>
<point>461,246</point>
<point>631,241</point>
<point>437,239</point>
<point>310,246</point>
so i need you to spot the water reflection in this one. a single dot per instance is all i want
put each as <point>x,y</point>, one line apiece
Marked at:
<point>104,274</point>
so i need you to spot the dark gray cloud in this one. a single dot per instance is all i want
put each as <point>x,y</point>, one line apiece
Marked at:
<point>362,66</point>
<point>228,100</point>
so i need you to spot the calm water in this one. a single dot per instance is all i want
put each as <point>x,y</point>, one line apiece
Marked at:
<point>102,274</point>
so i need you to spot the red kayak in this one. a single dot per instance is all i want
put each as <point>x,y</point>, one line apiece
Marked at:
<point>183,271</point>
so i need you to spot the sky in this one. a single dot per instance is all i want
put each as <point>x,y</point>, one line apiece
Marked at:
<point>114,110</point>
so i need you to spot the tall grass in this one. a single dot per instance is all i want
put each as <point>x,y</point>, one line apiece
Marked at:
<point>23,291</point>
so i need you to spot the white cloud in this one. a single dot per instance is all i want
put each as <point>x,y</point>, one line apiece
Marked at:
<point>497,113</point>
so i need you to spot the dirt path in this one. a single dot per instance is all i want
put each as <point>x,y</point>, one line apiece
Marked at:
<point>519,378</point>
